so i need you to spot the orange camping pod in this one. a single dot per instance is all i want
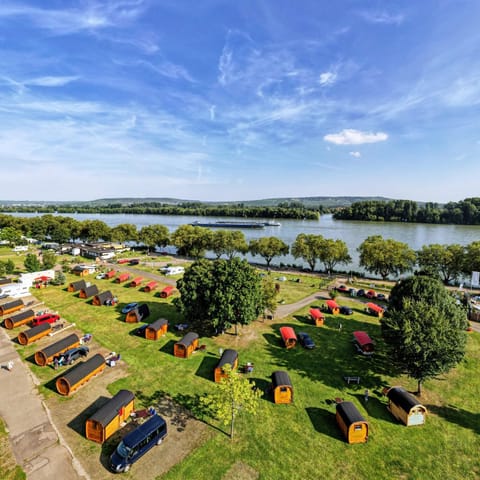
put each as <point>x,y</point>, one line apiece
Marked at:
<point>229,357</point>
<point>282,387</point>
<point>79,375</point>
<point>374,309</point>
<point>88,292</point>
<point>354,427</point>
<point>156,329</point>
<point>33,334</point>
<point>46,355</point>
<point>317,316</point>
<point>186,346</point>
<point>19,319</point>
<point>76,286</point>
<point>123,277</point>
<point>11,307</point>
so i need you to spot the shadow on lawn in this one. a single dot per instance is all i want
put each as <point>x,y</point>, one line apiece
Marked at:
<point>459,416</point>
<point>77,423</point>
<point>323,421</point>
<point>206,367</point>
<point>335,355</point>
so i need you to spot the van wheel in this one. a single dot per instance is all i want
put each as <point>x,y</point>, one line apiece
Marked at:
<point>159,441</point>
<point>127,468</point>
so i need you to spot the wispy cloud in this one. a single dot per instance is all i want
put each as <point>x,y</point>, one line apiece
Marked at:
<point>382,17</point>
<point>327,78</point>
<point>355,137</point>
<point>355,154</point>
<point>51,81</point>
<point>212,112</point>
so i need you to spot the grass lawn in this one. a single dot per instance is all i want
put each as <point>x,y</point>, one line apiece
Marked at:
<point>300,440</point>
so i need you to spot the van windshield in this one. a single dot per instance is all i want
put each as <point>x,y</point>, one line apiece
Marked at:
<point>123,450</point>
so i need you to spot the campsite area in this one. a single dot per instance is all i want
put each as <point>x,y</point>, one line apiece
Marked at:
<point>299,440</point>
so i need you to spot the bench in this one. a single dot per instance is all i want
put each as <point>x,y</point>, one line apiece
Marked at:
<point>350,380</point>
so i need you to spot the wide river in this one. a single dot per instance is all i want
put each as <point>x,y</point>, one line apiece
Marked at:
<point>351,232</point>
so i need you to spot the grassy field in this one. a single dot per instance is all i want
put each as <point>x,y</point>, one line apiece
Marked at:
<point>288,441</point>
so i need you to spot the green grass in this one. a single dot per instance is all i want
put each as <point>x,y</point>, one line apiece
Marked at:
<point>299,440</point>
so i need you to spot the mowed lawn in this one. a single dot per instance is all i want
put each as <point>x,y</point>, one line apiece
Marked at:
<point>300,440</point>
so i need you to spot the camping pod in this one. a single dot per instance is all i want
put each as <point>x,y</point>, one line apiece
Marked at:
<point>351,422</point>
<point>46,355</point>
<point>150,286</point>
<point>103,298</point>
<point>167,291</point>
<point>137,314</point>
<point>123,277</point>
<point>33,334</point>
<point>186,346</point>
<point>19,319</point>
<point>11,307</point>
<point>317,316</point>
<point>229,357</point>
<point>88,292</point>
<point>110,274</point>
<point>82,373</point>
<point>76,286</point>
<point>136,282</point>
<point>405,407</point>
<point>332,307</point>
<point>282,388</point>
<point>109,418</point>
<point>156,329</point>
<point>374,309</point>
<point>363,343</point>
<point>288,336</point>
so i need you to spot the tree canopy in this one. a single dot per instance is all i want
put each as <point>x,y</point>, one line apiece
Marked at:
<point>191,241</point>
<point>307,247</point>
<point>268,248</point>
<point>386,257</point>
<point>228,243</point>
<point>445,261</point>
<point>153,236</point>
<point>424,328</point>
<point>218,294</point>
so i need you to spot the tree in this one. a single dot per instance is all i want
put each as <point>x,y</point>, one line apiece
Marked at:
<point>125,232</point>
<point>472,258</point>
<point>228,242</point>
<point>268,248</point>
<point>191,241</point>
<point>424,328</point>
<point>269,294</point>
<point>154,236</point>
<point>9,266</point>
<point>94,230</point>
<point>445,261</point>
<point>234,394</point>
<point>32,263</point>
<point>307,247</point>
<point>49,259</point>
<point>332,252</point>
<point>386,257</point>
<point>12,235</point>
<point>216,295</point>
<point>59,278</point>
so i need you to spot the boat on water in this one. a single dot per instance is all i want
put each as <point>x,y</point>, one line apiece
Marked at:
<point>272,223</point>
<point>223,224</point>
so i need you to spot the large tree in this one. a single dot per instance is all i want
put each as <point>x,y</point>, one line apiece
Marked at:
<point>125,232</point>
<point>386,257</point>
<point>307,247</point>
<point>472,258</point>
<point>216,295</point>
<point>268,248</point>
<point>154,236</point>
<point>333,252</point>
<point>32,263</point>
<point>94,231</point>
<point>424,328</point>
<point>445,261</point>
<point>49,259</point>
<point>228,243</point>
<point>191,241</point>
<point>12,235</point>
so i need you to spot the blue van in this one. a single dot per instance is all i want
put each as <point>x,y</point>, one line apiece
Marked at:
<point>138,442</point>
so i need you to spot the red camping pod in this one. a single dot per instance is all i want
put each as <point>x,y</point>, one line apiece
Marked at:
<point>374,309</point>
<point>136,282</point>
<point>123,277</point>
<point>317,316</point>
<point>332,307</point>
<point>167,291</point>
<point>150,286</point>
<point>363,343</point>
<point>288,336</point>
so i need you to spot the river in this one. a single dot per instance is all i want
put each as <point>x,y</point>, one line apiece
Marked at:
<point>353,233</point>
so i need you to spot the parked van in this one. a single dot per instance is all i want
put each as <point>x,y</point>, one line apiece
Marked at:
<point>14,290</point>
<point>137,443</point>
<point>172,270</point>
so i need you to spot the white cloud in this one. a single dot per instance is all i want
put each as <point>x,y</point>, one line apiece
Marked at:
<point>356,154</point>
<point>51,81</point>
<point>212,112</point>
<point>355,137</point>
<point>383,18</point>
<point>328,78</point>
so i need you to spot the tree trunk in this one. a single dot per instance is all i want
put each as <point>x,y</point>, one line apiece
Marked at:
<point>236,328</point>
<point>233,419</point>
<point>419,388</point>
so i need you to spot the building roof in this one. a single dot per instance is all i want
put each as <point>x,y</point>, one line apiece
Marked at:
<point>287,333</point>
<point>83,369</point>
<point>188,339</point>
<point>349,413</point>
<point>362,338</point>
<point>399,396</point>
<point>62,344</point>
<point>109,411</point>
<point>281,378</point>
<point>228,356</point>
<point>158,324</point>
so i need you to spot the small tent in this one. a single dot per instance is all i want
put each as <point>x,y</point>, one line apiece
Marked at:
<point>150,286</point>
<point>167,291</point>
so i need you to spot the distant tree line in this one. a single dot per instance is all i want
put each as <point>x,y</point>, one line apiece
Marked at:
<point>379,256</point>
<point>294,210</point>
<point>465,212</point>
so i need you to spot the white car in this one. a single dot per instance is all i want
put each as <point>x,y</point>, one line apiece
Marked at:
<point>101,276</point>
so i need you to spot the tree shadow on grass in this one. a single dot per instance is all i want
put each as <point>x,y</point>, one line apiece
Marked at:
<point>375,408</point>
<point>206,367</point>
<point>77,423</point>
<point>168,347</point>
<point>324,422</point>
<point>459,416</point>
<point>303,319</point>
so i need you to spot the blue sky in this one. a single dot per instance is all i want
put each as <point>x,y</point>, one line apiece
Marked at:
<point>239,100</point>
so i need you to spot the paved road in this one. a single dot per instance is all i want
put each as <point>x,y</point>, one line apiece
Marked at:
<point>36,443</point>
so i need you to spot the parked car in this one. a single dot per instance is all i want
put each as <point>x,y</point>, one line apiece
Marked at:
<point>134,261</point>
<point>346,310</point>
<point>370,294</point>
<point>381,296</point>
<point>129,306</point>
<point>352,292</point>
<point>45,318</point>
<point>305,340</point>
<point>342,289</point>
<point>70,356</point>
<point>101,276</point>
<point>361,293</point>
